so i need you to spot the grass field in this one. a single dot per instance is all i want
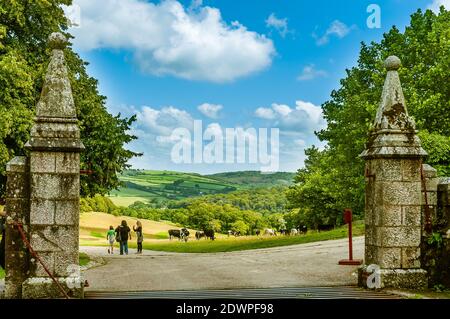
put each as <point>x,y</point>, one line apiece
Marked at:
<point>147,185</point>
<point>224,243</point>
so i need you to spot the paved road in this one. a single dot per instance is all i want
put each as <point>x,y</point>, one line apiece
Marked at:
<point>307,265</point>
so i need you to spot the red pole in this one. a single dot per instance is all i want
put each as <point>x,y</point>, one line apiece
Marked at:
<point>349,261</point>
<point>350,245</point>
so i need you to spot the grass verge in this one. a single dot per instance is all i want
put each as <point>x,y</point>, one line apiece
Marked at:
<point>242,243</point>
<point>84,259</point>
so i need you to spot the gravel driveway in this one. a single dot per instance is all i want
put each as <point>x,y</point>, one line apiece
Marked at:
<point>314,264</point>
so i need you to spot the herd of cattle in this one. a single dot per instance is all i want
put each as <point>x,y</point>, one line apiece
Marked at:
<point>183,234</point>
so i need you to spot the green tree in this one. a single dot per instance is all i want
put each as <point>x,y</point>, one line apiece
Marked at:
<point>333,178</point>
<point>24,28</point>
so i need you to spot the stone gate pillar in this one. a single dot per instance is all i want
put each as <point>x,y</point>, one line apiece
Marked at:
<point>54,183</point>
<point>17,209</point>
<point>393,192</point>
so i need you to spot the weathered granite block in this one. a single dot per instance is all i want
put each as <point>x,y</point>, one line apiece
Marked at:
<point>42,212</point>
<point>17,208</point>
<point>36,269</point>
<point>17,184</point>
<point>401,193</point>
<point>415,279</point>
<point>400,236</point>
<point>54,238</point>
<point>410,258</point>
<point>43,162</point>
<point>431,198</point>
<point>389,257</point>
<point>67,212</point>
<point>66,263</point>
<point>17,268</point>
<point>68,163</point>
<point>388,170</point>
<point>51,186</point>
<point>411,216</point>
<point>388,215</point>
<point>40,288</point>
<point>410,170</point>
<point>371,254</point>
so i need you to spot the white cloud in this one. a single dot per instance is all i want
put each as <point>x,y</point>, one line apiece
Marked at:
<point>337,28</point>
<point>438,3</point>
<point>265,113</point>
<point>163,122</point>
<point>210,110</point>
<point>167,39</point>
<point>281,25</point>
<point>304,117</point>
<point>309,73</point>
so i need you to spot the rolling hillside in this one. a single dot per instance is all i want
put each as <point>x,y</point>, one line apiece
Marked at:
<point>147,185</point>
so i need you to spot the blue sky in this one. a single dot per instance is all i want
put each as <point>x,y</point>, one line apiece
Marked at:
<point>250,64</point>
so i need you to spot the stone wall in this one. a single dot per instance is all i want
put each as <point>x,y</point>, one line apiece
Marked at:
<point>436,245</point>
<point>17,207</point>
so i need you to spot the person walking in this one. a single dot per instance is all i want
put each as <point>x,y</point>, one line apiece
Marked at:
<point>124,233</point>
<point>139,236</point>
<point>111,237</point>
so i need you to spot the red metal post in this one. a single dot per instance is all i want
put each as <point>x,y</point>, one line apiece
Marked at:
<point>350,261</point>
<point>350,241</point>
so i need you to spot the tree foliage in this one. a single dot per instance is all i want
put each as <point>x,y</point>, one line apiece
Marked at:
<point>24,28</point>
<point>333,178</point>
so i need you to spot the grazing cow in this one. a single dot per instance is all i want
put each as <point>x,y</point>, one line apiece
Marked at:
<point>302,229</point>
<point>174,233</point>
<point>258,232</point>
<point>325,227</point>
<point>294,232</point>
<point>199,234</point>
<point>234,233</point>
<point>269,232</point>
<point>283,232</point>
<point>209,234</point>
<point>182,234</point>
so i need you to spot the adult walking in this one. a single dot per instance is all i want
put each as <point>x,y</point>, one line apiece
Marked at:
<point>139,236</point>
<point>123,234</point>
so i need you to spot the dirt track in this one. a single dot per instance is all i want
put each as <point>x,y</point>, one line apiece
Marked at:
<point>313,264</point>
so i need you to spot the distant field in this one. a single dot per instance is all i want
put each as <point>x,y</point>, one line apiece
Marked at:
<point>147,185</point>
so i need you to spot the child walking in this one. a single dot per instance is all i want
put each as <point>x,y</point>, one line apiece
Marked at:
<point>111,237</point>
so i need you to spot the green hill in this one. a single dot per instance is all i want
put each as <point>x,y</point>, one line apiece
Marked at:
<point>152,186</point>
<point>255,179</point>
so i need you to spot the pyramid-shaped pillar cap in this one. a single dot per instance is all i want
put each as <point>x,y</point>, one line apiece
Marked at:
<point>394,132</point>
<point>56,99</point>
<point>392,113</point>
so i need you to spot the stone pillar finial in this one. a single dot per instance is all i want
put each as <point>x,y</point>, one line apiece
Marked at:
<point>57,41</point>
<point>393,131</point>
<point>56,99</point>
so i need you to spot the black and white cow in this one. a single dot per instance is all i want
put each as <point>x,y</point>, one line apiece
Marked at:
<point>199,234</point>
<point>181,234</point>
<point>209,234</point>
